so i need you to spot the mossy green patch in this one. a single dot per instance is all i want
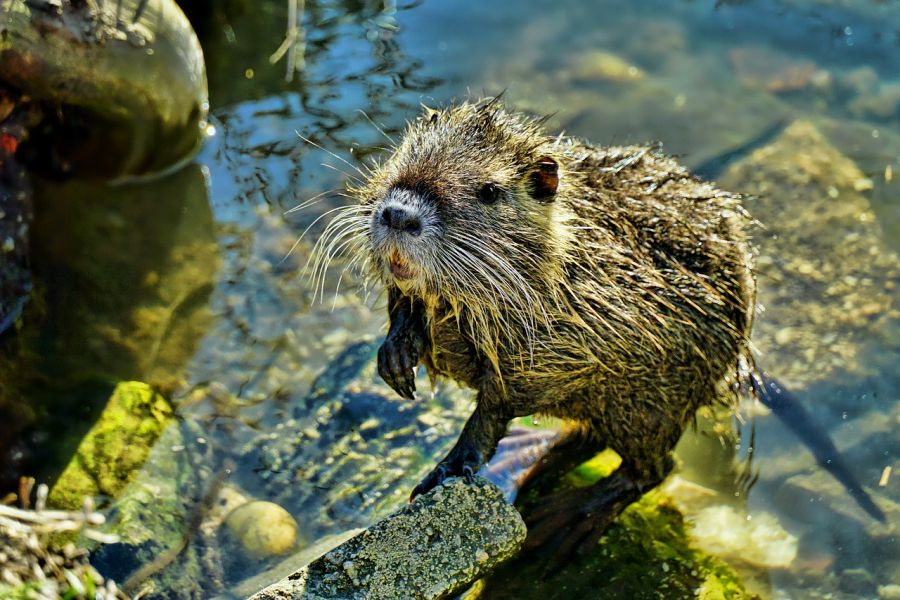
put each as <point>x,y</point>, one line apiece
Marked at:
<point>645,553</point>
<point>115,447</point>
<point>595,469</point>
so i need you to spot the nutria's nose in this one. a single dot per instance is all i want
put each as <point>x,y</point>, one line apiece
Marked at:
<point>401,219</point>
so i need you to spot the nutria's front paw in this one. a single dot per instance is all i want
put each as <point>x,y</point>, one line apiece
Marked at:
<point>461,462</point>
<point>397,360</point>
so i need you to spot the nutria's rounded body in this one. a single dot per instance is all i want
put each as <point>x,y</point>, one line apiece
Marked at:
<point>605,286</point>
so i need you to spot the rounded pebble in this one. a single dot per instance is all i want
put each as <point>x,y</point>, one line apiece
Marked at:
<point>263,528</point>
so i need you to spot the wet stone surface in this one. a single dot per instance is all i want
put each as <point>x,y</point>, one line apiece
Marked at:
<point>432,548</point>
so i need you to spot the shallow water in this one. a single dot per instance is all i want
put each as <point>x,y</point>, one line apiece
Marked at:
<point>191,283</point>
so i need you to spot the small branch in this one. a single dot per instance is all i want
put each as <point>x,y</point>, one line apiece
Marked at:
<point>294,44</point>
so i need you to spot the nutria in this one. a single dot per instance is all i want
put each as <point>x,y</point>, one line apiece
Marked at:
<point>604,286</point>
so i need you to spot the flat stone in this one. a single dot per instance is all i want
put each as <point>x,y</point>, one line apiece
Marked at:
<point>732,535</point>
<point>828,280</point>
<point>292,563</point>
<point>433,547</point>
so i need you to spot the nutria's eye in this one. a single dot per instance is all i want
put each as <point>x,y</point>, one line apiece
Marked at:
<point>489,193</point>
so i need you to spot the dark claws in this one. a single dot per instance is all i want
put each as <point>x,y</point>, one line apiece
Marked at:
<point>431,481</point>
<point>397,360</point>
<point>461,462</point>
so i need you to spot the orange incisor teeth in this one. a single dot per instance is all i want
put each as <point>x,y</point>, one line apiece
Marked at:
<point>397,259</point>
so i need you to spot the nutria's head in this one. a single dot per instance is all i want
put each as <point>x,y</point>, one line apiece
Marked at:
<point>464,213</point>
<point>464,207</point>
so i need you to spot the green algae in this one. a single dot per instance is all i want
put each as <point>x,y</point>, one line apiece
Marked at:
<point>645,553</point>
<point>115,447</point>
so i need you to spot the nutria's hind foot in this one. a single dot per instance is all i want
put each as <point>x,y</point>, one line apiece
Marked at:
<point>570,523</point>
<point>570,451</point>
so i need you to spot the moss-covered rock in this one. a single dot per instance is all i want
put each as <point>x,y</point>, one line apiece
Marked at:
<point>115,447</point>
<point>139,81</point>
<point>645,553</point>
<point>157,515</point>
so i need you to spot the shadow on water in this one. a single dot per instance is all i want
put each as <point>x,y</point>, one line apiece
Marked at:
<point>190,283</point>
<point>122,284</point>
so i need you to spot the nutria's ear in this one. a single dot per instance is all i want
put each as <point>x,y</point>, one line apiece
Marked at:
<point>431,114</point>
<point>544,178</point>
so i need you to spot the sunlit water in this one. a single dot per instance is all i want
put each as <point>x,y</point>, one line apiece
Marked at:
<point>193,283</point>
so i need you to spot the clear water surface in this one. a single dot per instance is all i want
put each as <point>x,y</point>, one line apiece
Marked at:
<point>191,291</point>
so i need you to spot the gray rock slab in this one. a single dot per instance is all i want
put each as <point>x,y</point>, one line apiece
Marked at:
<point>292,563</point>
<point>432,548</point>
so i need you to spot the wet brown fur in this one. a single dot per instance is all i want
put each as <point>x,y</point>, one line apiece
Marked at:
<point>631,301</point>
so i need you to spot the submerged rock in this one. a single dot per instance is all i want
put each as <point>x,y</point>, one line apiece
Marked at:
<point>826,280</point>
<point>762,67</point>
<point>603,66</point>
<point>883,104</point>
<point>263,528</point>
<point>732,535</point>
<point>432,548</point>
<point>158,515</point>
<point>115,447</point>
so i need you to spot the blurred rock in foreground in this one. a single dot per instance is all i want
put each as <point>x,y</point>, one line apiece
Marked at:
<point>432,548</point>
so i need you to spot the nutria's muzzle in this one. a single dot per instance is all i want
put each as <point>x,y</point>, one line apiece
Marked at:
<point>398,224</point>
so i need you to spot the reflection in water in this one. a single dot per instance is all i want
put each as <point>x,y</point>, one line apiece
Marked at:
<point>123,276</point>
<point>188,283</point>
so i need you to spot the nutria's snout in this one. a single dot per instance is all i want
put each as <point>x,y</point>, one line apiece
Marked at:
<point>400,213</point>
<point>402,219</point>
<point>400,225</point>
